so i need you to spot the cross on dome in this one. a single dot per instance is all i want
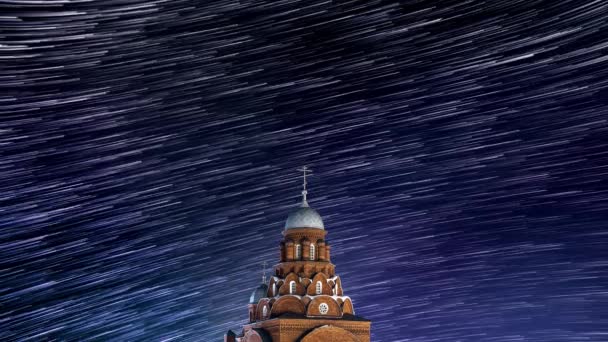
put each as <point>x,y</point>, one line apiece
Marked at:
<point>304,216</point>
<point>305,171</point>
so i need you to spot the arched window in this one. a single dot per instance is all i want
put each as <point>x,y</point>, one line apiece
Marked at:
<point>319,288</point>
<point>312,252</point>
<point>264,311</point>
<point>292,287</point>
<point>298,251</point>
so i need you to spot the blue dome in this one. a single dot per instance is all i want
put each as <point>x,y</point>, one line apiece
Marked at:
<point>304,217</point>
<point>259,293</point>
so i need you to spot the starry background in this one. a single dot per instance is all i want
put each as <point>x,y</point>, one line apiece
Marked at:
<point>149,153</point>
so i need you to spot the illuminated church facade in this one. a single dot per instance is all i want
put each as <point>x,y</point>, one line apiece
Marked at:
<point>304,300</point>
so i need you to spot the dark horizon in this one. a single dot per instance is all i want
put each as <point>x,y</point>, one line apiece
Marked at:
<point>150,148</point>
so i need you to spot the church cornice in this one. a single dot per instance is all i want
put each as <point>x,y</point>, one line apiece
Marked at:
<point>304,263</point>
<point>355,327</point>
<point>312,234</point>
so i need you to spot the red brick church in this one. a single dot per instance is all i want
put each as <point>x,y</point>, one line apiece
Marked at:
<point>304,301</point>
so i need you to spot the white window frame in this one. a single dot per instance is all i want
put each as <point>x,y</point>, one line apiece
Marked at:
<point>298,251</point>
<point>319,288</point>
<point>264,311</point>
<point>292,287</point>
<point>312,252</point>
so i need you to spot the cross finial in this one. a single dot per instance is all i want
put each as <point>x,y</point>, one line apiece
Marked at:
<point>264,272</point>
<point>305,171</point>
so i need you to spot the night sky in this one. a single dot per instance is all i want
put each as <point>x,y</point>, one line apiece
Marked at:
<point>148,156</point>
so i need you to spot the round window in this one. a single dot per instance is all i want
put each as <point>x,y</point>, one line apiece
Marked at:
<point>323,309</point>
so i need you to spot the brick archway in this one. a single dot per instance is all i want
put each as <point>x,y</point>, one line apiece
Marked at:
<point>286,304</point>
<point>252,336</point>
<point>329,333</point>
<point>256,335</point>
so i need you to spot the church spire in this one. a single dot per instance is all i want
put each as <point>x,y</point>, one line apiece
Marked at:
<point>302,285</point>
<point>305,171</point>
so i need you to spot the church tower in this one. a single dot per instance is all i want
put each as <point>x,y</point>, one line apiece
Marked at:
<point>304,300</point>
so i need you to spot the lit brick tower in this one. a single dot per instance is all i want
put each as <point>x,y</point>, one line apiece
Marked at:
<point>304,301</point>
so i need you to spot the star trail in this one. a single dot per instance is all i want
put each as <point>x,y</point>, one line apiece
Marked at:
<point>148,156</point>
